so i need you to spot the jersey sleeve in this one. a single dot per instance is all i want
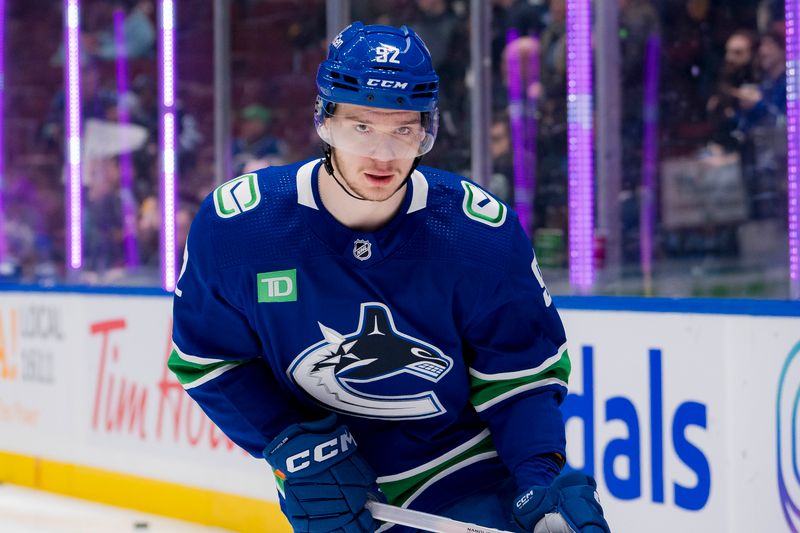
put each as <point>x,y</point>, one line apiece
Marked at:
<point>518,362</point>
<point>217,356</point>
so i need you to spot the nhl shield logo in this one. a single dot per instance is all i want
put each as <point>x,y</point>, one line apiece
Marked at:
<point>362,249</point>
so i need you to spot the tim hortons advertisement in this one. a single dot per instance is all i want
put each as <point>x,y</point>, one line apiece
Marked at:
<point>84,381</point>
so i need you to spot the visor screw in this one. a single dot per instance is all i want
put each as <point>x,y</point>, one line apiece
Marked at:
<point>370,97</point>
<point>400,100</point>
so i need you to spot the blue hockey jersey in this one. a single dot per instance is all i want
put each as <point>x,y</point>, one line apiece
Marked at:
<point>434,338</point>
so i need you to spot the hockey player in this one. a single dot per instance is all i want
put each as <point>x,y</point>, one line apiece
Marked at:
<point>378,329</point>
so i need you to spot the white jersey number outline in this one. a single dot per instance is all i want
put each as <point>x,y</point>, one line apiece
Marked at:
<point>548,300</point>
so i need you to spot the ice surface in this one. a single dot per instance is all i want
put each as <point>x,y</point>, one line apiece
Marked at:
<point>24,510</point>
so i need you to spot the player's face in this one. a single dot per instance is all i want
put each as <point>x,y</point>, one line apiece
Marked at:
<point>374,148</point>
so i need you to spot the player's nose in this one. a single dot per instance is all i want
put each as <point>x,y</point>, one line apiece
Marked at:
<point>380,165</point>
<point>383,152</point>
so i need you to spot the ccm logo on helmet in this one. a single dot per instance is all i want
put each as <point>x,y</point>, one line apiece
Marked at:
<point>387,84</point>
<point>320,453</point>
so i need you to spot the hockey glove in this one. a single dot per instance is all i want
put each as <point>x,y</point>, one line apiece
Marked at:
<point>322,480</point>
<point>569,505</point>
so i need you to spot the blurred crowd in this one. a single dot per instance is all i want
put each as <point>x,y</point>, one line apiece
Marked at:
<point>720,118</point>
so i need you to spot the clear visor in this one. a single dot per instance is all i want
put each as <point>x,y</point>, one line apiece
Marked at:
<point>383,134</point>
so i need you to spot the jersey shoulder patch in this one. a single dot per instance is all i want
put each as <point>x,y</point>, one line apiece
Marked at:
<point>237,196</point>
<point>482,207</point>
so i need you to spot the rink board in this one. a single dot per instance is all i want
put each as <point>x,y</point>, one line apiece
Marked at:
<point>674,407</point>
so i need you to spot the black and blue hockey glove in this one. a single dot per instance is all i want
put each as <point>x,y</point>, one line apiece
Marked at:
<point>569,505</point>
<point>322,480</point>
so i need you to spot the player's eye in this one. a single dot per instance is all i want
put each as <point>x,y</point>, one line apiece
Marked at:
<point>362,128</point>
<point>403,130</point>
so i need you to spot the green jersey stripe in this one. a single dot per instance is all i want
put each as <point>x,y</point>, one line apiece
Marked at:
<point>486,393</point>
<point>401,489</point>
<point>191,374</point>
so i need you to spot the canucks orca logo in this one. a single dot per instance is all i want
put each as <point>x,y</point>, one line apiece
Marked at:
<point>353,373</point>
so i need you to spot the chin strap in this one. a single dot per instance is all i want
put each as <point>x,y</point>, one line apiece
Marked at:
<point>328,164</point>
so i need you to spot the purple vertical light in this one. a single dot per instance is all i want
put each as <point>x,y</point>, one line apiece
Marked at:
<point>531,125</point>
<point>3,245</point>
<point>72,128</point>
<point>793,140</point>
<point>580,141</point>
<point>523,184</point>
<point>125,161</point>
<point>647,208</point>
<point>166,55</point>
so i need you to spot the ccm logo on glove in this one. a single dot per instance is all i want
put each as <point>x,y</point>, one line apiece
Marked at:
<point>524,499</point>
<point>320,453</point>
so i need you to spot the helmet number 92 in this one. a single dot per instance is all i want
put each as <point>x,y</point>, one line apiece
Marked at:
<point>387,53</point>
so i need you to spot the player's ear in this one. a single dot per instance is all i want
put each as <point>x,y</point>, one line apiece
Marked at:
<point>324,130</point>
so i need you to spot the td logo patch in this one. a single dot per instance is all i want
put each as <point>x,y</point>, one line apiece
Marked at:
<point>278,286</point>
<point>483,207</point>
<point>237,196</point>
<point>374,372</point>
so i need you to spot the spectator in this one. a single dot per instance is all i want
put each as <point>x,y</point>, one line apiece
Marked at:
<point>511,19</point>
<point>762,127</point>
<point>103,257</point>
<point>446,36</point>
<point>766,102</point>
<point>550,196</point>
<point>737,71</point>
<point>255,140</point>
<point>139,34</point>
<point>690,65</point>
<point>638,23</point>
<point>97,101</point>
<point>501,183</point>
<point>98,41</point>
<point>149,226</point>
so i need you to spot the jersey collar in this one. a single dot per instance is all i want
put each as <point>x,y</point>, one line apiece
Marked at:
<point>343,239</point>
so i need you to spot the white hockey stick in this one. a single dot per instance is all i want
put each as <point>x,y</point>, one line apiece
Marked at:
<point>424,521</point>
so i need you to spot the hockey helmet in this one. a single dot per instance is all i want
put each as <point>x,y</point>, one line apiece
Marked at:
<point>383,67</point>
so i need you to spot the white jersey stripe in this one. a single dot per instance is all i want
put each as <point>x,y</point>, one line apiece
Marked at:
<point>502,376</point>
<point>447,471</point>
<point>195,359</point>
<point>305,193</point>
<point>522,388</point>
<point>419,200</point>
<point>208,377</point>
<point>436,462</point>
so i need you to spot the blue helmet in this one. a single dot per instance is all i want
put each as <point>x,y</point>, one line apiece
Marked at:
<point>379,66</point>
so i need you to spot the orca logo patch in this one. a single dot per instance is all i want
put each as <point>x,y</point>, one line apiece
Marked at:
<point>374,372</point>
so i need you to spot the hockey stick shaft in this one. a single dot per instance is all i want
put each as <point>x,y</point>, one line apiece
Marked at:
<point>424,521</point>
